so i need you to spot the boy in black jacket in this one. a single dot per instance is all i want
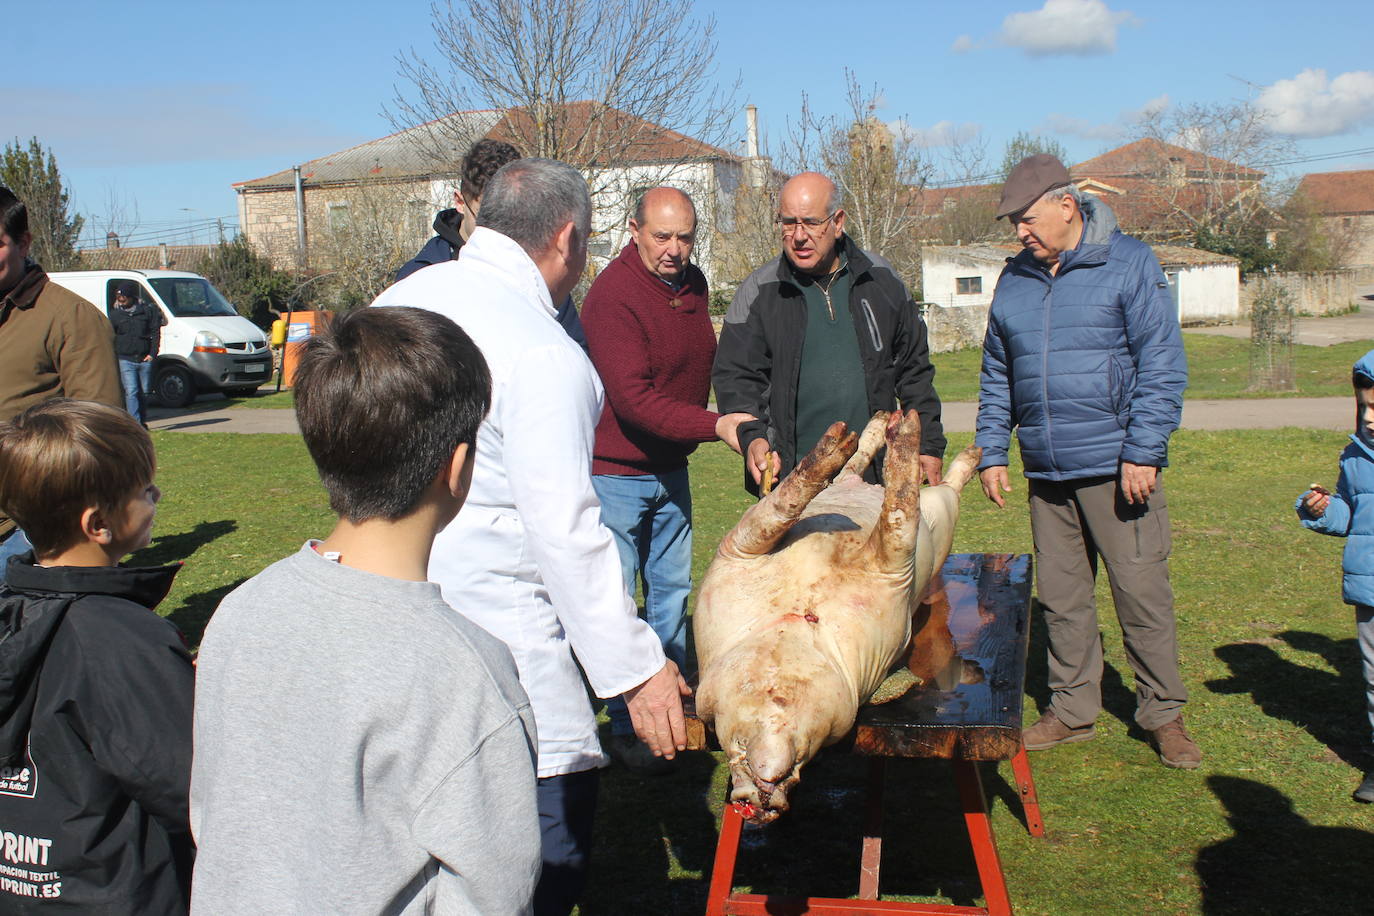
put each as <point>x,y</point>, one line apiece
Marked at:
<point>95,688</point>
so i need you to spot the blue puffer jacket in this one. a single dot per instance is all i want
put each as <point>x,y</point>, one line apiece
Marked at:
<point>1350,514</point>
<point>1088,363</point>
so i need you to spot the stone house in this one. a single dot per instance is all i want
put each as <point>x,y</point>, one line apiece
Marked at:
<point>394,186</point>
<point>1345,202</point>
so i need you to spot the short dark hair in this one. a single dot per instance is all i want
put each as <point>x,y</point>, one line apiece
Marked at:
<point>1360,379</point>
<point>483,161</point>
<point>529,200</point>
<point>383,398</point>
<point>14,216</point>
<point>62,457</point>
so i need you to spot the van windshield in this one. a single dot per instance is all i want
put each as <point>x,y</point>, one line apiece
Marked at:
<point>191,297</point>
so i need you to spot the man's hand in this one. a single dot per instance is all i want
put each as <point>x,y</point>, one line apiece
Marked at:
<point>727,428</point>
<point>995,483</point>
<point>1138,481</point>
<point>1316,500</point>
<point>931,469</point>
<point>759,458</point>
<point>656,710</point>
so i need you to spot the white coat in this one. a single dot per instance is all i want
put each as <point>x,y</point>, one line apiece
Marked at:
<point>527,558</point>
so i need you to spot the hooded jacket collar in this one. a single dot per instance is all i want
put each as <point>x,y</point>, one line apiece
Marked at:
<point>33,605</point>
<point>1093,248</point>
<point>448,226</point>
<point>517,269</point>
<point>145,585</point>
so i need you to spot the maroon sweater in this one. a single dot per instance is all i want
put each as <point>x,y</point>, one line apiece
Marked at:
<point>654,358</point>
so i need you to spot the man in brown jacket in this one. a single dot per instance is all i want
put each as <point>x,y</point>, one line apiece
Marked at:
<point>53,343</point>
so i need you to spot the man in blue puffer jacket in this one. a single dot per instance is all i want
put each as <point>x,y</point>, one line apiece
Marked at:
<point>1349,513</point>
<point>1083,356</point>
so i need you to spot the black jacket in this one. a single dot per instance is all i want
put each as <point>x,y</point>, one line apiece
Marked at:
<point>95,743</point>
<point>445,246</point>
<point>759,359</point>
<point>137,331</point>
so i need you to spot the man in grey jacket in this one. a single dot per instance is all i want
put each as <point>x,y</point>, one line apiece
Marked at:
<point>1084,357</point>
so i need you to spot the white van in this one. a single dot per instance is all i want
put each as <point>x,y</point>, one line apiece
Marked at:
<point>206,345</point>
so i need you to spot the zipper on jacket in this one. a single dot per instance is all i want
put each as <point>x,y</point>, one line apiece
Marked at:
<point>872,326</point>
<point>1045,372</point>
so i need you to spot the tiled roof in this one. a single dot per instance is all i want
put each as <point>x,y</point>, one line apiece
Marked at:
<point>436,148</point>
<point>145,257</point>
<point>1151,157</point>
<point>1336,193</point>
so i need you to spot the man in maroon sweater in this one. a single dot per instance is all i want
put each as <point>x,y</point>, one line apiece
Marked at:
<point>651,341</point>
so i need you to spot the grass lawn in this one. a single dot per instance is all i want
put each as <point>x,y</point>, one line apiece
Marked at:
<point>1265,826</point>
<point>1218,367</point>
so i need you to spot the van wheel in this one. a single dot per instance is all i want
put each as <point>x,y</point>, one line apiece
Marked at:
<point>175,387</point>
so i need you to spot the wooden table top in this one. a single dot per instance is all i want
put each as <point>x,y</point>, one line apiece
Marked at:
<point>969,650</point>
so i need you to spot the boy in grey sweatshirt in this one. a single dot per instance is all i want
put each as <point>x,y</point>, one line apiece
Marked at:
<point>359,746</point>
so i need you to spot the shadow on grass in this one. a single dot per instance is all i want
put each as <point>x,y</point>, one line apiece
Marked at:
<point>1328,706</point>
<point>1278,862</point>
<point>644,828</point>
<point>196,610</point>
<point>175,548</point>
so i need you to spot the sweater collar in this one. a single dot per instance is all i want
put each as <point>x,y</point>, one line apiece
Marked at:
<point>145,585</point>
<point>854,258</point>
<point>693,282</point>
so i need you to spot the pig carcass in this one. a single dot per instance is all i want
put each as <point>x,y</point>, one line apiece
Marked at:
<point>809,602</point>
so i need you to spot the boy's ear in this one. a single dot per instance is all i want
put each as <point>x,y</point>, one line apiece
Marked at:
<point>95,528</point>
<point>458,473</point>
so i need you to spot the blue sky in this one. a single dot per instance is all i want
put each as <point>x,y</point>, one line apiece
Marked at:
<point>158,107</point>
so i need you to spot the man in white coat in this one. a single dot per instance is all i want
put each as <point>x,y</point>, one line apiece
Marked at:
<point>528,558</point>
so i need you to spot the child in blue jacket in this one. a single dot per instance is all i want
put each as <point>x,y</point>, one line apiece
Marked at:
<point>1349,513</point>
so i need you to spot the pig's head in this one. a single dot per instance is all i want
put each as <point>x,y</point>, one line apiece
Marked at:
<point>787,701</point>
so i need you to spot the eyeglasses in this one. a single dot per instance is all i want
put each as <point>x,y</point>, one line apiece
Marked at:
<point>810,225</point>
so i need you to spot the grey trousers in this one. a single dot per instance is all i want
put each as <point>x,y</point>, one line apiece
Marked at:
<point>1073,522</point>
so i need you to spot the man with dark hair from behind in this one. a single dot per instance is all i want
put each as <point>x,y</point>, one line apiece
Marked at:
<point>454,225</point>
<point>53,343</point>
<point>344,670</point>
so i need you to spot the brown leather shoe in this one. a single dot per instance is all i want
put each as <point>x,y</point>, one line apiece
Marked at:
<point>1175,748</point>
<point>1050,731</point>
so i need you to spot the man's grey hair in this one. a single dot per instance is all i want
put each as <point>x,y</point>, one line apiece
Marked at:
<point>1068,190</point>
<point>529,200</point>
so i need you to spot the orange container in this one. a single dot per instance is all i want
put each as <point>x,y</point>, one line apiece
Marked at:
<point>301,327</point>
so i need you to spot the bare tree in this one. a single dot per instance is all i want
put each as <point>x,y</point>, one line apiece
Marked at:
<point>113,228</point>
<point>1215,194</point>
<point>594,83</point>
<point>367,234</point>
<point>879,168</point>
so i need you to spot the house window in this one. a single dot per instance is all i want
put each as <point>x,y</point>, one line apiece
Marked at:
<point>337,213</point>
<point>968,286</point>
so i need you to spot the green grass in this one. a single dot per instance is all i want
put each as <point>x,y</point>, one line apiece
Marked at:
<point>1218,367</point>
<point>1265,826</point>
<point>266,396</point>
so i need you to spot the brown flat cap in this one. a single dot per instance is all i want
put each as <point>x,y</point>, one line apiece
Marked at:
<point>1032,177</point>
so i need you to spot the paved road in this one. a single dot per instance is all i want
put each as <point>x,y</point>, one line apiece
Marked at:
<point>1265,413</point>
<point>1313,413</point>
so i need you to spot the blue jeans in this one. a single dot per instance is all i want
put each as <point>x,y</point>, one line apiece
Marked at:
<point>14,545</point>
<point>650,517</point>
<point>136,376</point>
